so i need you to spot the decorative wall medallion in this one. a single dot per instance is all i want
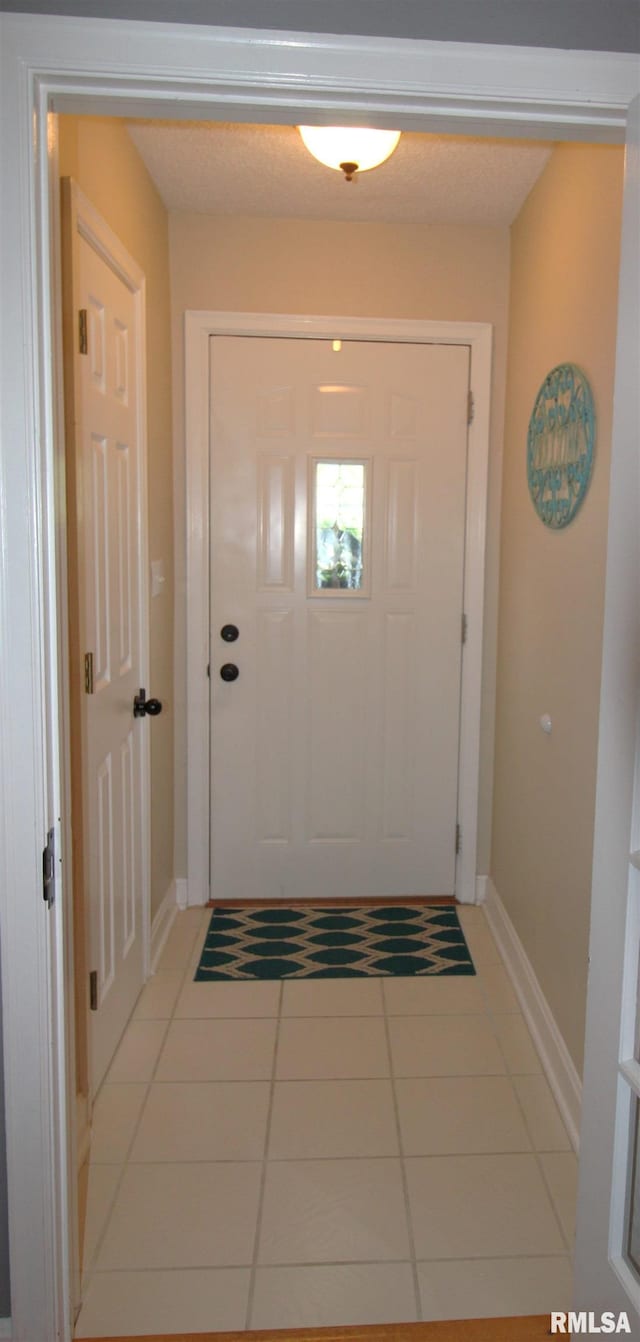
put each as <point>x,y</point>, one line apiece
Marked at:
<point>560,445</point>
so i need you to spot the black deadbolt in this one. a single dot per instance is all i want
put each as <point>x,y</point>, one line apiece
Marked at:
<point>229,671</point>
<point>229,633</point>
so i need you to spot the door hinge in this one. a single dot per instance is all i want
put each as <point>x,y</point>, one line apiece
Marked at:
<point>93,990</point>
<point>83,337</point>
<point>49,870</point>
<point>88,673</point>
<point>458,840</point>
<point>465,625</point>
<point>471,407</point>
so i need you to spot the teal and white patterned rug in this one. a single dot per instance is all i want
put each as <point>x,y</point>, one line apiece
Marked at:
<point>333,943</point>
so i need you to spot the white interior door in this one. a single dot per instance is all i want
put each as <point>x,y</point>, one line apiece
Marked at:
<point>337,525</point>
<point>110,512</point>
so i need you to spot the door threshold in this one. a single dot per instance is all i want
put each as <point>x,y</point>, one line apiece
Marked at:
<point>337,902</point>
<point>526,1328</point>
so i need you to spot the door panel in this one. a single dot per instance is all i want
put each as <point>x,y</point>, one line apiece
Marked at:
<point>400,552</point>
<point>108,483</point>
<point>398,717</point>
<point>273,729</point>
<point>335,752</point>
<point>276,480</point>
<point>335,758</point>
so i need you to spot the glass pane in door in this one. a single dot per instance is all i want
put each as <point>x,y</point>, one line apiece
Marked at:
<point>339,527</point>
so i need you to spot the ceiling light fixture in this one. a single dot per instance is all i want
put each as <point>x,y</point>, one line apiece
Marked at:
<point>349,149</point>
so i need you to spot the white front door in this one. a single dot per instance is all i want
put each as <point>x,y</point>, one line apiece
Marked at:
<point>337,523</point>
<point>109,469</point>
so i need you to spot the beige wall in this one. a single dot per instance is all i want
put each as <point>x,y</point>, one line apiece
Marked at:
<point>565,255</point>
<point>98,153</point>
<point>406,271</point>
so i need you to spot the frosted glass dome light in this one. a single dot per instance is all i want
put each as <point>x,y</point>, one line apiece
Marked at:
<point>349,149</point>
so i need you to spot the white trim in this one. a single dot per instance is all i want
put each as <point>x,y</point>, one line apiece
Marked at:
<point>558,1065</point>
<point>606,1139</point>
<point>482,883</point>
<point>199,327</point>
<point>162,923</point>
<point>97,232</point>
<point>84,65</point>
<point>281,76</point>
<point>182,892</point>
<point>474,592</point>
<point>35,1046</point>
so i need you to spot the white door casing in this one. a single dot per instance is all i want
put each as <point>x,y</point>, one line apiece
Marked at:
<point>604,1279</point>
<point>199,328</point>
<point>78,65</point>
<point>335,751</point>
<point>110,473</point>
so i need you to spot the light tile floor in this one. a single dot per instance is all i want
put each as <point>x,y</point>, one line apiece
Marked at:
<point>325,1152</point>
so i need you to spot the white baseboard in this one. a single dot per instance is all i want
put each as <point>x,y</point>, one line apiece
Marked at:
<point>5,1328</point>
<point>185,900</point>
<point>481,889</point>
<point>161,925</point>
<point>556,1060</point>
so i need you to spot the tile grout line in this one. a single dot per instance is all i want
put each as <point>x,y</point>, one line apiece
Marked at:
<point>403,1169</point>
<point>491,1013</point>
<point>334,1160</point>
<point>265,1162</point>
<point>90,1272</point>
<point>545,1183</point>
<point>124,1163</point>
<point>569,1240</point>
<point>559,1255</point>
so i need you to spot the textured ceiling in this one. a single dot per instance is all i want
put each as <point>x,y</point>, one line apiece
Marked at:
<point>266,171</point>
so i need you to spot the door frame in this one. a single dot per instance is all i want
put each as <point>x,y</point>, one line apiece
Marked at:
<point>603,1279</point>
<point>54,64</point>
<point>199,328</point>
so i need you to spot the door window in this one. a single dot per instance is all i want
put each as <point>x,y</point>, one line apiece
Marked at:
<point>339,532</point>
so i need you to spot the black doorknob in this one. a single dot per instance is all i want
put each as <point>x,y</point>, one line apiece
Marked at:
<point>229,671</point>
<point>142,705</point>
<point>229,633</point>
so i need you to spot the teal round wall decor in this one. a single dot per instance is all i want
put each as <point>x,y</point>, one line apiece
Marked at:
<point>560,445</point>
